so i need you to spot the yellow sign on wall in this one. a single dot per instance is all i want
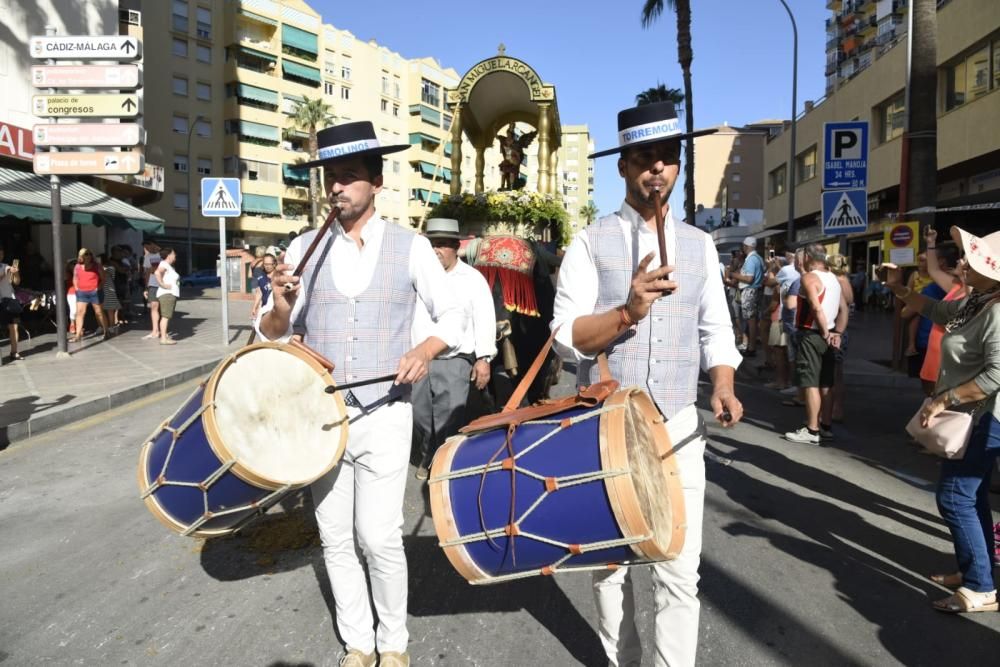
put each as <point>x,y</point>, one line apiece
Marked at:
<point>901,243</point>
<point>86,106</point>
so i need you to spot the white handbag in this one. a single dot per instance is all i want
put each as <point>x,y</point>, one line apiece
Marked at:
<point>947,435</point>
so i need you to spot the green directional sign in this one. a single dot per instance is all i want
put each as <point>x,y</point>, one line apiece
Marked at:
<point>86,106</point>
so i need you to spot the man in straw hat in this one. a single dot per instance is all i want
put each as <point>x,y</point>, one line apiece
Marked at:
<point>439,400</point>
<point>354,304</point>
<point>656,324</point>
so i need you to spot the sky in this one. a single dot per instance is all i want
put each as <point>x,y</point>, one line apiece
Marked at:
<point>598,56</point>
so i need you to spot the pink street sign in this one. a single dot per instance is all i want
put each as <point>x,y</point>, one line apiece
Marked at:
<point>89,134</point>
<point>97,163</point>
<point>119,77</point>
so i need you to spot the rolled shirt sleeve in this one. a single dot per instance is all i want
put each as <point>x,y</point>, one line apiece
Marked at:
<point>292,256</point>
<point>430,281</point>
<point>576,293</point>
<point>715,327</point>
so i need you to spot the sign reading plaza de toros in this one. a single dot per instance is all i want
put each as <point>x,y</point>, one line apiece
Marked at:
<point>501,63</point>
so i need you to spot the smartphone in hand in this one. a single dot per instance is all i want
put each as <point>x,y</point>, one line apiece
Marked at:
<point>16,263</point>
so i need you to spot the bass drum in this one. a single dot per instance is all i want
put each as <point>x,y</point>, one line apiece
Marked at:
<point>261,426</point>
<point>590,487</point>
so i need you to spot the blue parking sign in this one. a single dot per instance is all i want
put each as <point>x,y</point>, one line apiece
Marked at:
<point>845,155</point>
<point>221,197</point>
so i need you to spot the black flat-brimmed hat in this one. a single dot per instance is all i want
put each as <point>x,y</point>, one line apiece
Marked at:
<point>648,124</point>
<point>348,140</point>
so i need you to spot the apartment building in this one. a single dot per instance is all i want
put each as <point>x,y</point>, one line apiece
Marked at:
<point>577,173</point>
<point>968,143</point>
<point>428,161</point>
<point>729,166</point>
<point>859,32</point>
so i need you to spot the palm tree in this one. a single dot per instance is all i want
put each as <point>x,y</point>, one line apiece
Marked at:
<point>659,94</point>
<point>651,10</point>
<point>308,115</point>
<point>588,212</point>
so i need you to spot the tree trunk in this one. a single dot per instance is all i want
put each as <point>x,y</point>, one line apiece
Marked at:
<point>314,177</point>
<point>921,177</point>
<point>684,56</point>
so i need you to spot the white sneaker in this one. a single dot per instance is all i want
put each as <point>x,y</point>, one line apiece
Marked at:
<point>789,391</point>
<point>741,347</point>
<point>803,436</point>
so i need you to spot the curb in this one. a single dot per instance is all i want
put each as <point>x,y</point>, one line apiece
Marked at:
<point>64,416</point>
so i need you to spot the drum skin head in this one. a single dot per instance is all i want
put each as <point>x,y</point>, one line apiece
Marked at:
<point>274,417</point>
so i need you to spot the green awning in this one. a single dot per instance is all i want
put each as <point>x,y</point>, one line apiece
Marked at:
<point>257,17</point>
<point>301,71</point>
<point>259,131</point>
<point>25,195</point>
<point>263,204</point>
<point>447,149</point>
<point>257,94</point>
<point>417,137</point>
<point>289,173</point>
<point>258,54</point>
<point>435,198</point>
<point>427,169</point>
<point>299,39</point>
<point>432,116</point>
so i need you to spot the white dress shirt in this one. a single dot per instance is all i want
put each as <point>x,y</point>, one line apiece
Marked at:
<point>353,267</point>
<point>576,294</point>
<point>474,299</point>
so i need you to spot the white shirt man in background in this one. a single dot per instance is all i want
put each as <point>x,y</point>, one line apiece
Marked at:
<point>439,400</point>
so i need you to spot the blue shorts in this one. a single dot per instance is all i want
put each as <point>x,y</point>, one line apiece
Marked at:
<point>92,296</point>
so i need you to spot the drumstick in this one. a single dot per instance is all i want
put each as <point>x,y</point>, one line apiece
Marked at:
<point>333,388</point>
<point>334,212</point>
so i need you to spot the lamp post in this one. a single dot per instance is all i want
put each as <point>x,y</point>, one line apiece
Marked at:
<point>791,156</point>
<point>190,246</point>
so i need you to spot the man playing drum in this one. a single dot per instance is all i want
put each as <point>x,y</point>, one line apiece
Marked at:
<point>656,323</point>
<point>354,305</point>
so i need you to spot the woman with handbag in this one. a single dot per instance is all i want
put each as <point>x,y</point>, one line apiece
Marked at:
<point>10,308</point>
<point>969,379</point>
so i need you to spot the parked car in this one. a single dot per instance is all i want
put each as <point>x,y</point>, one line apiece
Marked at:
<point>201,278</point>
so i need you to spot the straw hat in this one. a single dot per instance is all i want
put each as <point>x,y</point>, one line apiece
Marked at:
<point>982,253</point>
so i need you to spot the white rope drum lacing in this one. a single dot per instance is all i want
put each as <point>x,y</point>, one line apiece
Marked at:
<point>552,484</point>
<point>261,504</point>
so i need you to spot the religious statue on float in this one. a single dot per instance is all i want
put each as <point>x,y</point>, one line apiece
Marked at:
<point>512,147</point>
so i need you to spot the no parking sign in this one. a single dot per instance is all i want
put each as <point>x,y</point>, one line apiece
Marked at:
<point>901,243</point>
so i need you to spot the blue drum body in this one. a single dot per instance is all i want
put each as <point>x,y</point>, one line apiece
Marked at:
<point>193,481</point>
<point>569,491</point>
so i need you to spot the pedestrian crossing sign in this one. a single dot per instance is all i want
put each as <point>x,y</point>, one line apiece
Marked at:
<point>221,197</point>
<point>845,212</point>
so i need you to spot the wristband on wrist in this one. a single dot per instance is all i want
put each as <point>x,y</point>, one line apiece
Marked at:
<point>625,320</point>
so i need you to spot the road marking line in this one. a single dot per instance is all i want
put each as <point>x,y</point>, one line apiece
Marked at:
<point>128,356</point>
<point>27,379</point>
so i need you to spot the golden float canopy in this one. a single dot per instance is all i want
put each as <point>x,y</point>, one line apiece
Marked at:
<point>493,93</point>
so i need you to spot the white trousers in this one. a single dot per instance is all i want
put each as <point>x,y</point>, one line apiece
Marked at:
<point>359,509</point>
<point>675,583</point>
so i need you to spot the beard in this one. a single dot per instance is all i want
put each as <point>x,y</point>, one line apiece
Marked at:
<point>640,193</point>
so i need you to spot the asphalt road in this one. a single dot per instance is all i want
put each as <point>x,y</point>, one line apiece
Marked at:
<point>813,556</point>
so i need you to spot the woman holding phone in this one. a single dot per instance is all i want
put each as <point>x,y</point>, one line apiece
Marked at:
<point>9,307</point>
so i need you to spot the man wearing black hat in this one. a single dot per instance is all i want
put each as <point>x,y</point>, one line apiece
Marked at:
<point>657,324</point>
<point>354,304</point>
<point>440,399</point>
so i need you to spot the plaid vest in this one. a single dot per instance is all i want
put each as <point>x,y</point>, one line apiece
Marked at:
<point>662,353</point>
<point>366,335</point>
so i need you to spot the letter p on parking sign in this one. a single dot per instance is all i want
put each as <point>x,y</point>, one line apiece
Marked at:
<point>845,155</point>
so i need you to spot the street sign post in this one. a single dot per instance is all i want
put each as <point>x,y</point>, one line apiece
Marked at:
<point>845,155</point>
<point>89,134</point>
<point>222,197</point>
<point>845,212</point>
<point>81,77</point>
<point>90,163</point>
<point>99,105</point>
<point>85,47</point>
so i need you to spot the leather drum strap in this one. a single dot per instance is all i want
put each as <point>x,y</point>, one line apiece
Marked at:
<point>323,361</point>
<point>522,387</point>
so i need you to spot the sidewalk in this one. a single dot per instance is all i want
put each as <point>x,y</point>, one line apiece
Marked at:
<point>869,353</point>
<point>43,392</point>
